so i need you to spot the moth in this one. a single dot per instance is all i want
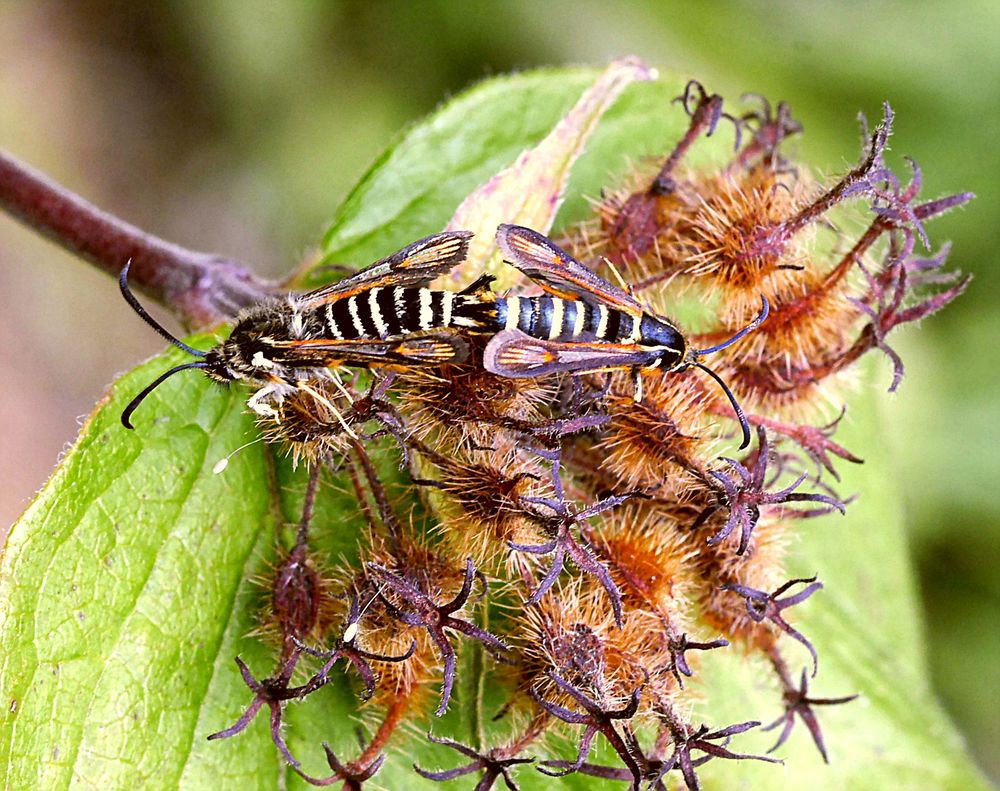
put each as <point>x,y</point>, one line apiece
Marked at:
<point>381,316</point>
<point>583,324</point>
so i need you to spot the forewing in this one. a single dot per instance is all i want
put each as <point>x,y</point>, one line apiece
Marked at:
<point>513,354</point>
<point>414,265</point>
<point>432,350</point>
<point>557,271</point>
<point>413,350</point>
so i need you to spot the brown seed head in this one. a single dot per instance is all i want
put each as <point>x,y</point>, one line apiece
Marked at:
<point>301,603</point>
<point>464,405</point>
<point>481,507</point>
<point>432,573</point>
<point>656,444</point>
<point>650,560</point>
<point>309,423</point>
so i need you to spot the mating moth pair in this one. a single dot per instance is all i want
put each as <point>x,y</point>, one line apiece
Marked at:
<point>386,316</point>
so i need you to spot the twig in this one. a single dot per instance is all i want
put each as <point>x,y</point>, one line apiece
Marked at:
<point>200,289</point>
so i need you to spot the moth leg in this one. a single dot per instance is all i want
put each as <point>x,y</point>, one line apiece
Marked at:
<point>329,405</point>
<point>256,401</point>
<point>335,375</point>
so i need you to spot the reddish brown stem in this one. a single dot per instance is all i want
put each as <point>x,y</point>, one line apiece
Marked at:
<point>389,724</point>
<point>783,231</point>
<point>536,728</point>
<point>360,493</point>
<point>200,289</point>
<point>389,521</point>
<point>302,536</point>
<point>704,117</point>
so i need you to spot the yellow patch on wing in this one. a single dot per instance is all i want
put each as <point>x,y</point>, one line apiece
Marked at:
<point>525,355</point>
<point>427,349</point>
<point>440,249</point>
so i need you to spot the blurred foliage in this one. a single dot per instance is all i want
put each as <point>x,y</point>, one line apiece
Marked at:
<point>241,125</point>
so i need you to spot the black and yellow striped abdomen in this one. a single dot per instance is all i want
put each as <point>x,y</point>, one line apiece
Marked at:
<point>556,319</point>
<point>388,312</point>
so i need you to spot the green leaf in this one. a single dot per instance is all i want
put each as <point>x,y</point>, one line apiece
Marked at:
<point>866,625</point>
<point>126,588</point>
<point>417,184</point>
<point>124,594</point>
<point>530,191</point>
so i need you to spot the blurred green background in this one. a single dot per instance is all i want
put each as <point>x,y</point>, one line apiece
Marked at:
<point>238,127</point>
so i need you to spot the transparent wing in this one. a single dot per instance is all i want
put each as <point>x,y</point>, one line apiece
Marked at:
<point>513,354</point>
<point>412,350</point>
<point>414,265</point>
<point>557,271</point>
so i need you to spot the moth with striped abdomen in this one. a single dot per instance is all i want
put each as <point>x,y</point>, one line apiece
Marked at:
<point>382,316</point>
<point>583,324</point>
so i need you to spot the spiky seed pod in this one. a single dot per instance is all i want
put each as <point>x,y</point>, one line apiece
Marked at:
<point>760,567</point>
<point>306,423</point>
<point>651,561</point>
<point>480,504</point>
<point>658,444</point>
<point>632,219</point>
<point>462,407</point>
<point>438,577</point>
<point>727,217</point>
<point>852,317</point>
<point>564,633</point>
<point>638,657</point>
<point>301,604</point>
<point>811,310</point>
<point>807,322</point>
<point>705,232</point>
<point>570,635</point>
<point>320,420</point>
<point>413,679</point>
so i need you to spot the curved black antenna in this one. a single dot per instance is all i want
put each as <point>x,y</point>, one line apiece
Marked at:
<point>694,354</point>
<point>130,298</point>
<point>744,425</point>
<point>127,412</point>
<point>764,310</point>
